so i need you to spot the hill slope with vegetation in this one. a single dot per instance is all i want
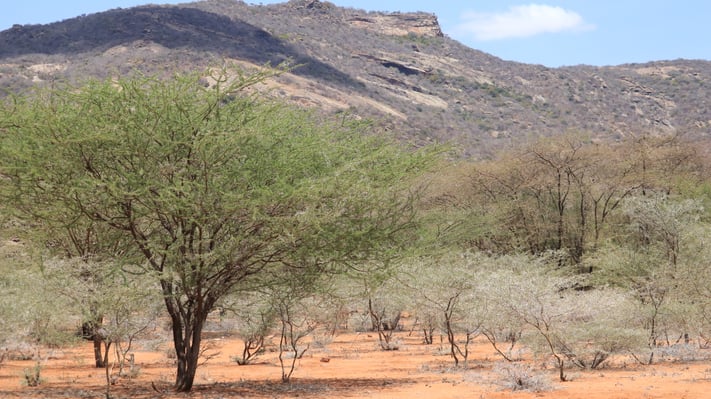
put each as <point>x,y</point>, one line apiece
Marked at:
<point>395,67</point>
<point>570,225</point>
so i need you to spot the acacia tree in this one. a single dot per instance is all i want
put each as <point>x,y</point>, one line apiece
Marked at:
<point>663,262</point>
<point>29,314</point>
<point>696,272</point>
<point>83,283</point>
<point>581,328</point>
<point>122,306</point>
<point>385,302</point>
<point>256,318</point>
<point>210,185</point>
<point>557,194</point>
<point>448,287</point>
<point>93,246</point>
<point>297,319</point>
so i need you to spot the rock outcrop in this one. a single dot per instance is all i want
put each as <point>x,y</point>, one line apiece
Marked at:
<point>397,69</point>
<point>399,24</point>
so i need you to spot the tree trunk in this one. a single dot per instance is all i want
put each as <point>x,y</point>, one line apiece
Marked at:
<point>187,337</point>
<point>187,320</point>
<point>453,347</point>
<point>98,356</point>
<point>107,370</point>
<point>561,370</point>
<point>90,331</point>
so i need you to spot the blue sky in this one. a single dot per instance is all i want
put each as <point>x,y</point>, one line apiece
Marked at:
<point>548,32</point>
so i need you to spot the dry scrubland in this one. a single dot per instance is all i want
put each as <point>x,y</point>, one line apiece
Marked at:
<point>352,365</point>
<point>181,200</point>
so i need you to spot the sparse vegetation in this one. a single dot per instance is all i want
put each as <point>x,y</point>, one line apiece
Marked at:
<point>201,195</point>
<point>344,55</point>
<point>205,189</point>
<point>32,377</point>
<point>521,377</point>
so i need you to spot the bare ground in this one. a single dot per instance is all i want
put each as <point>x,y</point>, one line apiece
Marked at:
<point>351,366</point>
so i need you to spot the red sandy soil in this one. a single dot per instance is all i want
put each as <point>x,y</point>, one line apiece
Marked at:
<point>355,368</point>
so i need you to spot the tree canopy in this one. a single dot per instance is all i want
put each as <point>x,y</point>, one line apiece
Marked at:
<point>205,185</point>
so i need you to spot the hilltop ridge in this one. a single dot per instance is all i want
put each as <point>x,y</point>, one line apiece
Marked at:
<point>398,68</point>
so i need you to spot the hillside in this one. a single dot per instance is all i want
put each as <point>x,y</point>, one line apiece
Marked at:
<point>396,68</point>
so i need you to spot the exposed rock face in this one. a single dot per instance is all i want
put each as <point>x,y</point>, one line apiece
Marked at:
<point>393,24</point>
<point>397,24</point>
<point>395,68</point>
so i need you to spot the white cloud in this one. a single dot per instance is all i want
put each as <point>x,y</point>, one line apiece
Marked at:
<point>521,21</point>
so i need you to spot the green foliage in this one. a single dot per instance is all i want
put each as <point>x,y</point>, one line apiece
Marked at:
<point>31,314</point>
<point>663,262</point>
<point>204,186</point>
<point>446,291</point>
<point>581,328</point>
<point>658,221</point>
<point>422,40</point>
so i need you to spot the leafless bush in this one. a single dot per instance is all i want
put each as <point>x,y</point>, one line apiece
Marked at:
<point>682,353</point>
<point>521,377</point>
<point>255,318</point>
<point>575,328</point>
<point>18,351</point>
<point>32,376</point>
<point>321,338</point>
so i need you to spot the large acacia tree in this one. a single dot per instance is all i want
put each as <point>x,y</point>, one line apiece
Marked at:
<point>211,185</point>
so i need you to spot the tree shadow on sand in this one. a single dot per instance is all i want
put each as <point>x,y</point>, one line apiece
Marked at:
<point>298,387</point>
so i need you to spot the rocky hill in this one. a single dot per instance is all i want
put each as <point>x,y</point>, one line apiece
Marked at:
<point>397,68</point>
